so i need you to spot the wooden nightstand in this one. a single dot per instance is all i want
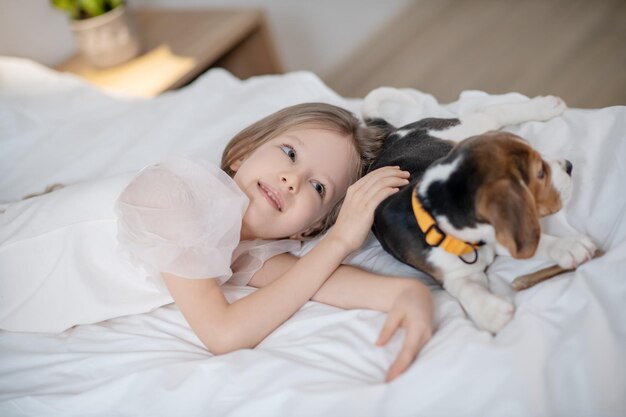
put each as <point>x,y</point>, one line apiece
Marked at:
<point>180,45</point>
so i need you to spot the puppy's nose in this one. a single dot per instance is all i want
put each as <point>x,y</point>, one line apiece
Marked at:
<point>568,167</point>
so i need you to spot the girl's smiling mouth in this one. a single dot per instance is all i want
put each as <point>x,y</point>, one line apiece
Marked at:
<point>271,195</point>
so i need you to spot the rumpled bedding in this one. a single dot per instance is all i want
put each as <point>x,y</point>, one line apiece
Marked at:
<point>563,354</point>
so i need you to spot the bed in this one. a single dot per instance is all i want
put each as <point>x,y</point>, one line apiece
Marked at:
<point>563,354</point>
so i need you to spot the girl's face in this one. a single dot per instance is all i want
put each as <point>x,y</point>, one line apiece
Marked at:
<point>293,181</point>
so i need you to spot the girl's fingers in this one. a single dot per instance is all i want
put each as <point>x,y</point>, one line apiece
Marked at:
<point>376,175</point>
<point>384,180</point>
<point>410,348</point>
<point>414,339</point>
<point>373,202</point>
<point>380,174</point>
<point>383,186</point>
<point>389,328</point>
<point>399,366</point>
<point>362,198</point>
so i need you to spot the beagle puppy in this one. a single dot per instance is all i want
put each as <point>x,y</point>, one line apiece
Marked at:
<point>474,192</point>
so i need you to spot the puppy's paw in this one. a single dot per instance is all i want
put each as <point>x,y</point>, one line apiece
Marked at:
<point>495,311</point>
<point>548,107</point>
<point>571,251</point>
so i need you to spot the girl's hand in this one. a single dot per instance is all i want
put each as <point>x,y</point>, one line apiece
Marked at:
<point>411,310</point>
<point>357,212</point>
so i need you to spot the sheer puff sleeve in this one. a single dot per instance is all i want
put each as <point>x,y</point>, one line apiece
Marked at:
<point>181,217</point>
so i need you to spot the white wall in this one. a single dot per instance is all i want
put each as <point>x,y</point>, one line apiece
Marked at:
<point>33,29</point>
<point>316,35</point>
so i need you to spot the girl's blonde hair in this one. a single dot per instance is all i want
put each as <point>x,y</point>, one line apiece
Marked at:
<point>367,142</point>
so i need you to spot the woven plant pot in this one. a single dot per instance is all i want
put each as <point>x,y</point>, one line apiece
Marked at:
<point>107,40</point>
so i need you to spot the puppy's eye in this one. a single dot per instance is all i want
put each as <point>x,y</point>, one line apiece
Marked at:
<point>541,174</point>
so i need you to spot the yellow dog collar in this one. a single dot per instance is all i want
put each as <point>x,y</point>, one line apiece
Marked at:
<point>435,237</point>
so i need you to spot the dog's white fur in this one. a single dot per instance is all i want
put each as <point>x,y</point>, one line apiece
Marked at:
<point>468,283</point>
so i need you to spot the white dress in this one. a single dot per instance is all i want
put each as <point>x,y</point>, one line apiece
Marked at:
<point>94,251</point>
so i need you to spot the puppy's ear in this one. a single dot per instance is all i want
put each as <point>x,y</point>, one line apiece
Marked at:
<point>510,208</point>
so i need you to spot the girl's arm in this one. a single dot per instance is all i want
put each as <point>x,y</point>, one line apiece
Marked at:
<point>348,287</point>
<point>407,302</point>
<point>224,327</point>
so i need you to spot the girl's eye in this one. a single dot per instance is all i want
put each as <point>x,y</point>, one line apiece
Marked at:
<point>289,151</point>
<point>320,188</point>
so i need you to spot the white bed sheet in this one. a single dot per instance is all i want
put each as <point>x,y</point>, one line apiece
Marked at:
<point>564,353</point>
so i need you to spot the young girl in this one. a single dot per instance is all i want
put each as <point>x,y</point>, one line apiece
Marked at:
<point>186,224</point>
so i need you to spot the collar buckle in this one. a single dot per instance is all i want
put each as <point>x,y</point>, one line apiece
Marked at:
<point>432,234</point>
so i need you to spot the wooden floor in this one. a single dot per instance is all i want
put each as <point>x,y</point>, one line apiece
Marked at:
<point>575,49</point>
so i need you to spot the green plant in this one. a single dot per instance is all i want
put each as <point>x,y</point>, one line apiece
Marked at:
<point>84,9</point>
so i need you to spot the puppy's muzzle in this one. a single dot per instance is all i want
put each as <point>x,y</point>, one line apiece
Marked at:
<point>562,178</point>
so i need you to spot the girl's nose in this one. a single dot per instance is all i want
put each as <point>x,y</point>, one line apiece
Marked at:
<point>290,182</point>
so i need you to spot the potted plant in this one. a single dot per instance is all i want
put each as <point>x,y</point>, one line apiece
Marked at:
<point>103,29</point>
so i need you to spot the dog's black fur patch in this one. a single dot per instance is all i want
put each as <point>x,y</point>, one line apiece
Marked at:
<point>422,148</point>
<point>413,149</point>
